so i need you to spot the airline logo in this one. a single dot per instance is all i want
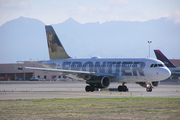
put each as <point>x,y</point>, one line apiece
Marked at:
<point>128,68</point>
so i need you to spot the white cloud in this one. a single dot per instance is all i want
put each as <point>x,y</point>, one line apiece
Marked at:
<point>15,4</point>
<point>175,16</point>
<point>117,2</point>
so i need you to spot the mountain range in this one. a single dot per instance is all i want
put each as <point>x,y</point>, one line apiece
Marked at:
<point>24,39</point>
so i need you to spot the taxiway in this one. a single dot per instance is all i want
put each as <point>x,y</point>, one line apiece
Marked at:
<point>12,90</point>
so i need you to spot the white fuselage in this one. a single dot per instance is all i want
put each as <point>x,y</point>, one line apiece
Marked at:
<point>121,70</point>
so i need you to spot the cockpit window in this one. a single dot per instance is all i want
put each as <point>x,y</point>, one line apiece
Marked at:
<point>157,65</point>
<point>160,65</point>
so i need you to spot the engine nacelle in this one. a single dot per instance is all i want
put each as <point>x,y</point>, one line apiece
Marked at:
<point>148,84</point>
<point>99,81</point>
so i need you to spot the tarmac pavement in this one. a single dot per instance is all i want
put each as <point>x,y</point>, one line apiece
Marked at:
<point>12,90</point>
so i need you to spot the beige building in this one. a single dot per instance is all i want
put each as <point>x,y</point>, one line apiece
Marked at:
<point>176,62</point>
<point>10,71</point>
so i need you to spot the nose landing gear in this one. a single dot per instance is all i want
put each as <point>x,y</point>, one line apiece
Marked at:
<point>149,89</point>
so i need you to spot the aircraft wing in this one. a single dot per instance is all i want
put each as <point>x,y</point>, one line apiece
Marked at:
<point>79,73</point>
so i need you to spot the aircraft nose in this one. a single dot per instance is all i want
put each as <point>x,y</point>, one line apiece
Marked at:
<point>166,73</point>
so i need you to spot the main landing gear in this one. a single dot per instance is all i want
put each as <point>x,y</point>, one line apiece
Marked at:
<point>89,88</point>
<point>123,88</point>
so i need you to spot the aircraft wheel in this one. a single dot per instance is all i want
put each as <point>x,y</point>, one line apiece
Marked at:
<point>125,89</point>
<point>92,89</point>
<point>89,88</point>
<point>120,88</point>
<point>149,89</point>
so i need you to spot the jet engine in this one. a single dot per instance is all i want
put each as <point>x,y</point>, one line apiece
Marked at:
<point>99,81</point>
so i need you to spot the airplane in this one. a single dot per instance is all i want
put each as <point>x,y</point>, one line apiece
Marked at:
<point>100,72</point>
<point>175,71</point>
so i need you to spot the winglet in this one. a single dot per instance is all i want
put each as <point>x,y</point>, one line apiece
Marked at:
<point>56,49</point>
<point>160,56</point>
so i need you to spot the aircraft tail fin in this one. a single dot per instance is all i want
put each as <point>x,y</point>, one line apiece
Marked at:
<point>56,49</point>
<point>160,56</point>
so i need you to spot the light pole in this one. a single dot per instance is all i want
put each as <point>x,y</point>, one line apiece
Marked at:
<point>149,47</point>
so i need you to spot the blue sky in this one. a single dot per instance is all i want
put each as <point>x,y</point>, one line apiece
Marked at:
<point>84,11</point>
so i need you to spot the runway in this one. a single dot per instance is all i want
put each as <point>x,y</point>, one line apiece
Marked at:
<point>12,90</point>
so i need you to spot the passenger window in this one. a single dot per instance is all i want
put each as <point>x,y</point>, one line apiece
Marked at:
<point>152,65</point>
<point>155,65</point>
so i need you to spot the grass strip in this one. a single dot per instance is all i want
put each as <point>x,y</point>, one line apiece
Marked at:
<point>91,108</point>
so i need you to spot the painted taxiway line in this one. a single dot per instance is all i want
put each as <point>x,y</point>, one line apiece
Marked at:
<point>78,97</point>
<point>99,94</point>
<point>70,94</point>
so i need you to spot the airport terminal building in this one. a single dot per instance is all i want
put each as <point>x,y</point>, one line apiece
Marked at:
<point>11,71</point>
